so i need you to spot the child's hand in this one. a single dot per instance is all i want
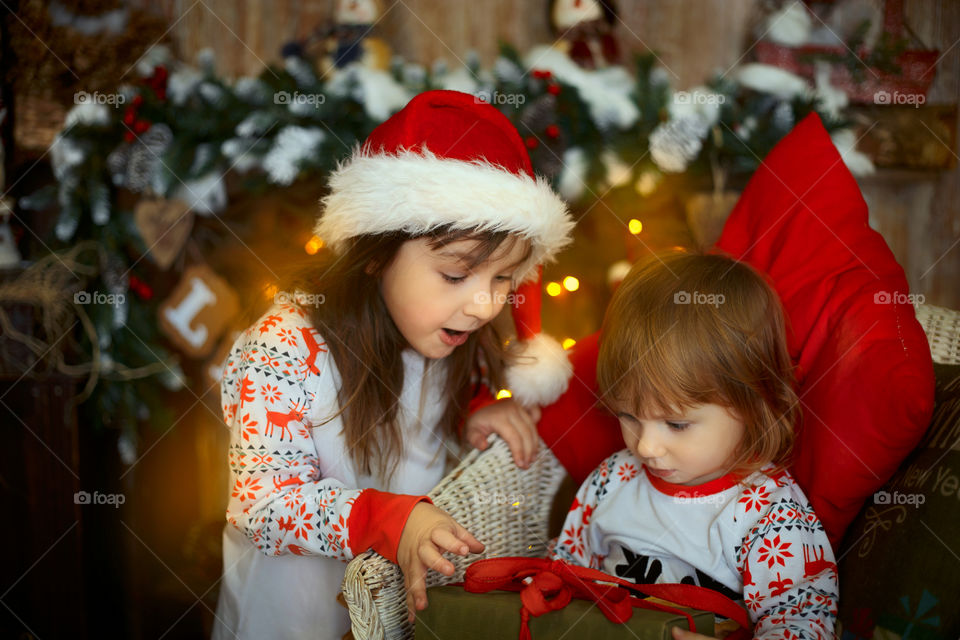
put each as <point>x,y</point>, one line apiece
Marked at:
<point>516,425</point>
<point>683,634</point>
<point>428,532</point>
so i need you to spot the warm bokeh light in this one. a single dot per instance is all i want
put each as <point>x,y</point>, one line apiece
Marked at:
<point>635,226</point>
<point>554,288</point>
<point>313,245</point>
<point>270,290</point>
<point>504,393</point>
<point>571,284</point>
<point>568,342</point>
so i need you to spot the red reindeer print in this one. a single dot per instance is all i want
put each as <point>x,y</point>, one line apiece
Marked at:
<point>314,348</point>
<point>282,420</point>
<point>814,564</point>
<point>294,481</point>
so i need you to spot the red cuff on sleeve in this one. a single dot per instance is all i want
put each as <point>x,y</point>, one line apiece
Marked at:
<point>377,520</point>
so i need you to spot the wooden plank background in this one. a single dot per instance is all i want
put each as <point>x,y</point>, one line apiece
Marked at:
<point>918,214</point>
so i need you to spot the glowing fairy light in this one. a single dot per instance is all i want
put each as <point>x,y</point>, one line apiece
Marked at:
<point>313,245</point>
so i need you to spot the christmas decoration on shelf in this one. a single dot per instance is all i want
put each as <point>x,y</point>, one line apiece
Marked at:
<point>856,45</point>
<point>150,178</point>
<point>585,28</point>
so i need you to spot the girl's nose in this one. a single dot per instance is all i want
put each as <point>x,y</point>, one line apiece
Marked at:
<point>649,446</point>
<point>481,305</point>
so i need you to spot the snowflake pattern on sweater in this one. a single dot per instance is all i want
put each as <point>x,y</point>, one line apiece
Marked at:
<point>758,540</point>
<point>279,499</point>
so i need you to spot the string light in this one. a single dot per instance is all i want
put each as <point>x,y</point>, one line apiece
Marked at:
<point>554,288</point>
<point>504,393</point>
<point>568,342</point>
<point>635,226</point>
<point>313,245</point>
<point>571,284</point>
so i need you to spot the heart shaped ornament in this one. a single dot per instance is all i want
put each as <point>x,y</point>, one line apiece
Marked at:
<point>164,226</point>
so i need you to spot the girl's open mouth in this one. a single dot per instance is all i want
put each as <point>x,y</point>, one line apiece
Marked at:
<point>453,337</point>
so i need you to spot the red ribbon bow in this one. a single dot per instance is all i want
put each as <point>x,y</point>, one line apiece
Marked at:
<point>548,585</point>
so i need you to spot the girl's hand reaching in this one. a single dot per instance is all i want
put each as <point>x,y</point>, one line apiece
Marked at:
<point>428,532</point>
<point>515,424</point>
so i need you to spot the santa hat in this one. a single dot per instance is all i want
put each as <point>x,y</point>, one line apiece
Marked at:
<point>450,160</point>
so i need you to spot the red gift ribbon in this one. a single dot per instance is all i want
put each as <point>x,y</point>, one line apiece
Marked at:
<point>553,583</point>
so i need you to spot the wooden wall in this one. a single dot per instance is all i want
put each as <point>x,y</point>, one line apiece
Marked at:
<point>919,214</point>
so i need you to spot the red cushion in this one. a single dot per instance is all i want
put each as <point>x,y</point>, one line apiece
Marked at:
<point>864,370</point>
<point>579,431</point>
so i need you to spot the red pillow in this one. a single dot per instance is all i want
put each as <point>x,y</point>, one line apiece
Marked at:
<point>865,377</point>
<point>864,369</point>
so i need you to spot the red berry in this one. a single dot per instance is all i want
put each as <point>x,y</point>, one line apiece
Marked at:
<point>160,72</point>
<point>140,126</point>
<point>553,131</point>
<point>129,115</point>
<point>128,136</point>
<point>542,74</point>
<point>554,89</point>
<point>531,142</point>
<point>137,100</point>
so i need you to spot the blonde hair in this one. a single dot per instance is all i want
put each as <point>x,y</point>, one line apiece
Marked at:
<point>687,328</point>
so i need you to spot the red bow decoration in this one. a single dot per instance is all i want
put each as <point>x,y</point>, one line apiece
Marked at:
<point>547,585</point>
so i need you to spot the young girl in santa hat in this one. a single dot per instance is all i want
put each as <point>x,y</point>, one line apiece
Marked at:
<point>345,399</point>
<point>693,361</point>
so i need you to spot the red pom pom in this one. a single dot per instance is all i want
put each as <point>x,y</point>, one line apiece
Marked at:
<point>554,89</point>
<point>553,131</point>
<point>531,142</point>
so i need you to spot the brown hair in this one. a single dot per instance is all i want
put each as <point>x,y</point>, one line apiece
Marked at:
<point>688,328</point>
<point>366,345</point>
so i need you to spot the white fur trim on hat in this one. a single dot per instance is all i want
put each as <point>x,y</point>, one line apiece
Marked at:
<point>541,373</point>
<point>417,191</point>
